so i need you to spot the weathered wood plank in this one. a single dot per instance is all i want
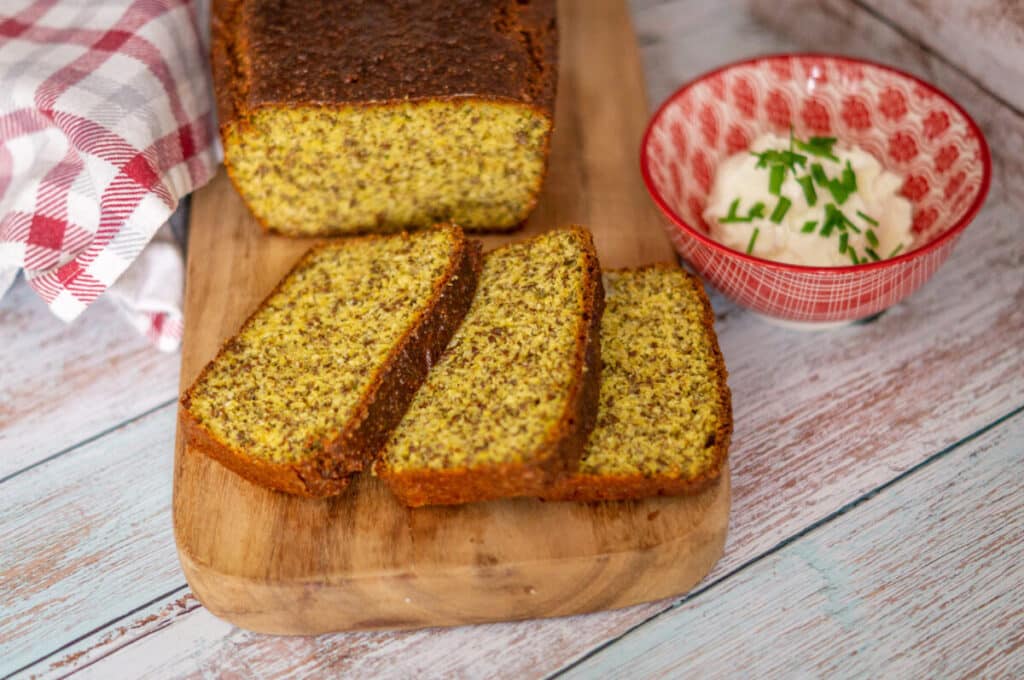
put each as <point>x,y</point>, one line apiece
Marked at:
<point>985,38</point>
<point>922,581</point>
<point>950,348</point>
<point>86,537</point>
<point>939,367</point>
<point>845,27</point>
<point>62,384</point>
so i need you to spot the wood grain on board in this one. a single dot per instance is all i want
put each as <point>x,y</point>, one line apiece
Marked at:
<point>283,564</point>
<point>938,367</point>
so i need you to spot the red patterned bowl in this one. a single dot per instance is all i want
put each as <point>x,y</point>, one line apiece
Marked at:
<point>916,130</point>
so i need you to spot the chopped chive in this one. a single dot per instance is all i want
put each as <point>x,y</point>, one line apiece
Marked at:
<point>838,191</point>
<point>777,178</point>
<point>827,228</point>
<point>781,208</point>
<point>872,238</point>
<point>807,184</point>
<point>853,227</point>
<point>844,239</point>
<point>849,178</point>
<point>868,218</point>
<point>809,226</point>
<point>753,240</point>
<point>896,252</point>
<point>873,254</point>
<point>818,173</point>
<point>776,157</point>
<point>853,255</point>
<point>756,210</point>
<point>819,146</point>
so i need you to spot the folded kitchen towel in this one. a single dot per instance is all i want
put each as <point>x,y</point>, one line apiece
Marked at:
<point>106,121</point>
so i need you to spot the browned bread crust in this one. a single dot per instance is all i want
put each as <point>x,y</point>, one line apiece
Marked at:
<point>382,405</point>
<point>580,487</point>
<point>325,52</point>
<point>560,453</point>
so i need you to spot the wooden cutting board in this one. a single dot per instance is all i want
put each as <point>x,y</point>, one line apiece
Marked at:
<point>280,564</point>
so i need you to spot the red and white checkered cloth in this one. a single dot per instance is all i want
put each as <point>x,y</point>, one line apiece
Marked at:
<point>106,121</point>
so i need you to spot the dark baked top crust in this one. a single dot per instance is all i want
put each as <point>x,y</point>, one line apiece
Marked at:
<point>333,52</point>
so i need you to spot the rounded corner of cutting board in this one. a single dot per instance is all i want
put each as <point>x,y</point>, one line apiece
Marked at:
<point>466,566</point>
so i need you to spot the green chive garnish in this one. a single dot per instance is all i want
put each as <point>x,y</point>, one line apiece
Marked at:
<point>849,179</point>
<point>838,191</point>
<point>776,157</point>
<point>807,184</point>
<point>868,218</point>
<point>777,178</point>
<point>819,146</point>
<point>809,227</point>
<point>757,210</point>
<point>844,239</point>
<point>872,238</point>
<point>896,252</point>
<point>853,226</point>
<point>818,173</point>
<point>753,240</point>
<point>873,254</point>
<point>853,255</point>
<point>781,208</point>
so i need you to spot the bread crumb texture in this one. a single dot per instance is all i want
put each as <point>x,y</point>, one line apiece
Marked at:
<point>287,384</point>
<point>503,383</point>
<point>660,403</point>
<point>308,170</point>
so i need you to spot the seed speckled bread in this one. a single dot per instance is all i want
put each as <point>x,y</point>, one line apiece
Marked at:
<point>378,115</point>
<point>310,387</point>
<point>664,419</point>
<point>508,408</point>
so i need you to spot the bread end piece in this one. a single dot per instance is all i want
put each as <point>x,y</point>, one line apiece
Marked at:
<point>614,487</point>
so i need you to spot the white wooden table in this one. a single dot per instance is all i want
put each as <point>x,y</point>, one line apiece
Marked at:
<point>878,516</point>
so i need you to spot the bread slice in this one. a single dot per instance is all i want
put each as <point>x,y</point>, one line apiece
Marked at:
<point>340,117</point>
<point>509,406</point>
<point>665,415</point>
<point>310,387</point>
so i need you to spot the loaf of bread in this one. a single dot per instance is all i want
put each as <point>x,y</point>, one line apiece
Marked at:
<point>665,417</point>
<point>508,408</point>
<point>311,386</point>
<point>379,115</point>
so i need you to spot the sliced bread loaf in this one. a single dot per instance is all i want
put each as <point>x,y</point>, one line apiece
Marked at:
<point>508,408</point>
<point>310,387</point>
<point>665,417</point>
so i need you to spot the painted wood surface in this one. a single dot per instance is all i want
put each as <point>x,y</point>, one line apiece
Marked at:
<point>60,385</point>
<point>798,457</point>
<point>86,537</point>
<point>970,312</point>
<point>923,581</point>
<point>277,563</point>
<point>985,38</point>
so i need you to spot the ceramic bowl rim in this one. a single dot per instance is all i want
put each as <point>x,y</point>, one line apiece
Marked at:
<point>936,243</point>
